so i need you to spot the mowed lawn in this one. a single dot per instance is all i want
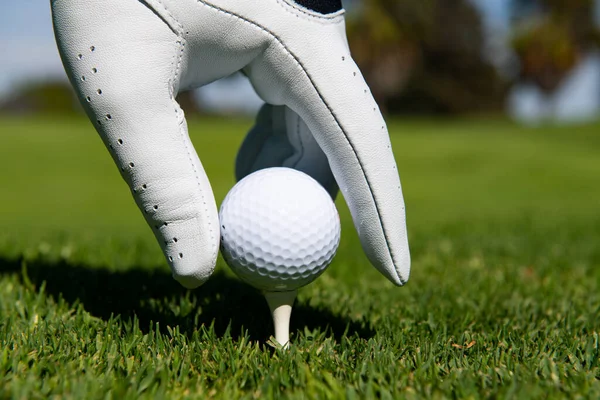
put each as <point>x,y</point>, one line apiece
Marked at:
<point>503,300</point>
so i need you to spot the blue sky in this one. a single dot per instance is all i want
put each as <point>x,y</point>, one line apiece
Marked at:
<point>27,47</point>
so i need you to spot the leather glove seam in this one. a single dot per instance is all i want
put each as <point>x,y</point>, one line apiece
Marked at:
<point>333,115</point>
<point>179,115</point>
<point>199,187</point>
<point>163,13</point>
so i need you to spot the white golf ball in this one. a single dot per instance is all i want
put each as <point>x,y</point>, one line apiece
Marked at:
<point>279,229</point>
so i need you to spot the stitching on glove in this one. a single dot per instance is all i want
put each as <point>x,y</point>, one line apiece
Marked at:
<point>180,122</point>
<point>310,15</point>
<point>175,83</point>
<point>177,28</point>
<point>171,21</point>
<point>163,12</point>
<point>297,61</point>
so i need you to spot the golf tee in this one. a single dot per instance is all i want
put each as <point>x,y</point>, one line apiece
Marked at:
<point>281,304</point>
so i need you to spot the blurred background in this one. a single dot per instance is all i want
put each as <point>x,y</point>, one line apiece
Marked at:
<point>537,61</point>
<point>493,109</point>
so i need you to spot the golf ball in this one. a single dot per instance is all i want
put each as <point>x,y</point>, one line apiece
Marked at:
<point>279,229</point>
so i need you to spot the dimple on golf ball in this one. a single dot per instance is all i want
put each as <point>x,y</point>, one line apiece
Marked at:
<point>280,229</point>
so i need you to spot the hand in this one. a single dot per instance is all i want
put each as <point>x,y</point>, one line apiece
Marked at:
<point>128,59</point>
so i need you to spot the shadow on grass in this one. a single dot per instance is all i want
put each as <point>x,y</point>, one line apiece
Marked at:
<point>154,297</point>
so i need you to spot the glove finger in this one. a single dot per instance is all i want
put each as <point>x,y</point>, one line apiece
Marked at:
<point>280,138</point>
<point>126,84</point>
<point>324,86</point>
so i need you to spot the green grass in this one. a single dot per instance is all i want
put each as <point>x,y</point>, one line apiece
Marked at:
<point>503,300</point>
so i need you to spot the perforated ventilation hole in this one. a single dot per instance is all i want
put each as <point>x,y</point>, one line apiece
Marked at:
<point>343,58</point>
<point>111,146</point>
<point>355,74</point>
<point>365,90</point>
<point>144,186</point>
<point>80,56</point>
<point>83,78</point>
<point>170,258</point>
<point>94,70</point>
<point>175,240</point>
<point>108,116</point>
<point>166,224</point>
<point>120,141</point>
<point>180,255</point>
<point>99,122</point>
<point>156,207</point>
<point>92,48</point>
<point>89,99</point>
<point>131,164</point>
<point>99,91</point>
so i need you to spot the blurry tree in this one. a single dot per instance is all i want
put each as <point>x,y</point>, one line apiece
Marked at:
<point>424,56</point>
<point>551,36</point>
<point>58,97</point>
<point>54,97</point>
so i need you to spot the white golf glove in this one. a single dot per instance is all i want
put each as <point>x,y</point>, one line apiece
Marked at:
<point>128,59</point>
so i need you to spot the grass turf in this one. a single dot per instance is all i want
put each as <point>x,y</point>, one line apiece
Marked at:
<point>503,300</point>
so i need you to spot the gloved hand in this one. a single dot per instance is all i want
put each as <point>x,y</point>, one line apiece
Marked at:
<point>128,59</point>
